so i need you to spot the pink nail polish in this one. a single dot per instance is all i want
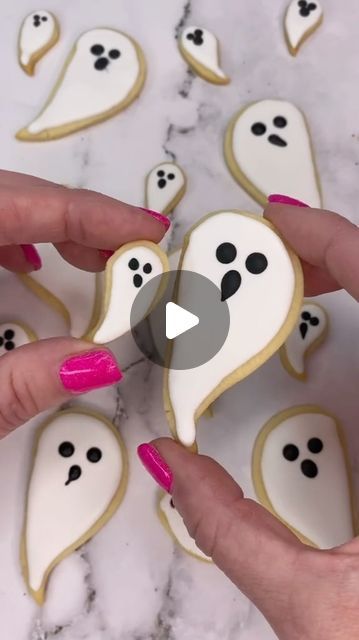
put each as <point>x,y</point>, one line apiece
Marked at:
<point>277,198</point>
<point>106,253</point>
<point>90,370</point>
<point>32,256</point>
<point>156,466</point>
<point>158,216</point>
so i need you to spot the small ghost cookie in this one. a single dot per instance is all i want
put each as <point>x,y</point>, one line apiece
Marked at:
<point>165,187</point>
<point>13,335</point>
<point>39,32</point>
<point>308,335</point>
<point>103,74</point>
<point>245,258</point>
<point>301,474</point>
<point>200,49</point>
<point>268,150</point>
<point>174,525</point>
<point>302,18</point>
<point>77,482</point>
<point>127,271</point>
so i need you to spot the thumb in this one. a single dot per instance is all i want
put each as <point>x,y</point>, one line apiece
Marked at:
<point>43,374</point>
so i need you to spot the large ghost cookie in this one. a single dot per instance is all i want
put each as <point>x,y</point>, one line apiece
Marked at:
<point>103,74</point>
<point>302,18</point>
<point>301,474</point>
<point>200,49</point>
<point>38,34</point>
<point>260,280</point>
<point>77,483</point>
<point>268,150</point>
<point>165,187</point>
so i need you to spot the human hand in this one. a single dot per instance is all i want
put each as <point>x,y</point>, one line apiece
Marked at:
<point>304,593</point>
<point>84,227</point>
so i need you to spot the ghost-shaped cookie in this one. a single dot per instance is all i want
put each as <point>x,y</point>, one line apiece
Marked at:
<point>301,474</point>
<point>103,74</point>
<point>14,335</point>
<point>268,150</point>
<point>200,49</point>
<point>174,525</point>
<point>309,333</point>
<point>260,280</point>
<point>77,482</point>
<point>39,32</point>
<point>165,187</point>
<point>132,267</point>
<point>302,18</point>
<point>71,292</point>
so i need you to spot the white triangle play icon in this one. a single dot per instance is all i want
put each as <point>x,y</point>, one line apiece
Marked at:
<point>178,320</point>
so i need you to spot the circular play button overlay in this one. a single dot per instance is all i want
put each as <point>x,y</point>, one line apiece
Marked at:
<point>199,327</point>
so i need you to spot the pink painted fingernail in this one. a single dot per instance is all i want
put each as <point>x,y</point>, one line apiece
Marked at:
<point>90,370</point>
<point>32,256</point>
<point>277,198</point>
<point>158,216</point>
<point>106,253</point>
<point>156,466</point>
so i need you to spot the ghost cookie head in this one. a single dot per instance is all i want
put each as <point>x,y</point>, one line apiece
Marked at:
<point>39,32</point>
<point>302,18</point>
<point>13,335</point>
<point>268,150</point>
<point>174,525</point>
<point>165,187</point>
<point>301,474</point>
<point>200,49</point>
<point>77,482</point>
<point>309,333</point>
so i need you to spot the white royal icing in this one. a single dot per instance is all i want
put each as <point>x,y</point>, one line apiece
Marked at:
<point>287,170</point>
<point>12,335</point>
<point>132,267</point>
<point>317,507</point>
<point>86,91</point>
<point>155,318</point>
<point>203,46</point>
<point>37,31</point>
<point>178,529</point>
<point>163,186</point>
<point>59,514</point>
<point>312,325</point>
<point>258,310</point>
<point>302,16</point>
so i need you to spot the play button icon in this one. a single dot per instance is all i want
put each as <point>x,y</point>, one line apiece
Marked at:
<point>178,320</point>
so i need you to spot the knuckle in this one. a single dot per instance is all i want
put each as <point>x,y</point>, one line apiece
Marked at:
<point>18,400</point>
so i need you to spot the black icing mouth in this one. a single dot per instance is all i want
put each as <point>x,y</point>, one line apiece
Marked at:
<point>277,140</point>
<point>74,474</point>
<point>230,284</point>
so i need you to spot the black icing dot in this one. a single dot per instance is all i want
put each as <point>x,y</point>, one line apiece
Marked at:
<point>305,315</point>
<point>9,345</point>
<point>44,18</point>
<point>309,468</point>
<point>256,263</point>
<point>196,37</point>
<point>94,454</point>
<point>258,128</point>
<point>226,253</point>
<point>161,173</point>
<point>36,16</point>
<point>306,8</point>
<point>315,445</point>
<point>290,452</point>
<point>134,264</point>
<point>66,449</point>
<point>137,280</point>
<point>280,122</point>
<point>147,268</point>
<point>97,49</point>
<point>101,64</point>
<point>114,54</point>
<point>1,341</point>
<point>172,504</point>
<point>161,183</point>
<point>171,176</point>
<point>9,334</point>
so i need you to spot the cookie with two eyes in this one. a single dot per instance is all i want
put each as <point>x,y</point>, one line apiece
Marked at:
<point>200,48</point>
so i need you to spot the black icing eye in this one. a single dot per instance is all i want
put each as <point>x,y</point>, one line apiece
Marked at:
<point>256,263</point>
<point>290,452</point>
<point>226,253</point>
<point>230,284</point>
<point>197,37</point>
<point>171,176</point>
<point>36,16</point>
<point>114,54</point>
<point>97,49</point>
<point>101,64</point>
<point>66,449</point>
<point>44,18</point>
<point>137,280</point>
<point>280,122</point>
<point>160,173</point>
<point>309,468</point>
<point>315,445</point>
<point>305,315</point>
<point>258,128</point>
<point>147,268</point>
<point>134,264</point>
<point>9,334</point>
<point>94,454</point>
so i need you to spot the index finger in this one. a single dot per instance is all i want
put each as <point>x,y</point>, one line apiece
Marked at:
<point>325,241</point>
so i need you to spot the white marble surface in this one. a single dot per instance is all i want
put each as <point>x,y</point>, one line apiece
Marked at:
<point>130,582</point>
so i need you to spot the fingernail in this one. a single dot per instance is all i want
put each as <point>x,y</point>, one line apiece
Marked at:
<point>156,466</point>
<point>88,371</point>
<point>158,216</point>
<point>277,198</point>
<point>32,256</point>
<point>106,253</point>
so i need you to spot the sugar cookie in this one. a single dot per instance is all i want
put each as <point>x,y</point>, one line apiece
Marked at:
<point>77,483</point>
<point>13,335</point>
<point>268,150</point>
<point>131,267</point>
<point>200,49</point>
<point>103,74</point>
<point>310,332</point>
<point>174,525</point>
<point>39,32</point>
<point>301,474</point>
<point>244,256</point>
<point>165,187</point>
<point>71,292</point>
<point>302,18</point>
